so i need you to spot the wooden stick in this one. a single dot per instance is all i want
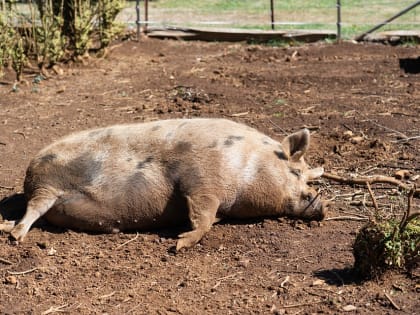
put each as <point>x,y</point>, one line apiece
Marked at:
<point>392,302</point>
<point>4,261</point>
<point>371,180</point>
<point>7,187</point>
<point>54,309</point>
<point>406,139</point>
<point>129,241</point>
<point>346,217</point>
<point>301,304</point>
<point>372,196</point>
<point>408,215</point>
<point>15,273</point>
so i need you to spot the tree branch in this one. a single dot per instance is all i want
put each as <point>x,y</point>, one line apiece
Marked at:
<point>363,180</point>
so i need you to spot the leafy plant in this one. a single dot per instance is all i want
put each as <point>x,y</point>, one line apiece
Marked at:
<point>388,244</point>
<point>108,28</point>
<point>49,40</point>
<point>7,35</point>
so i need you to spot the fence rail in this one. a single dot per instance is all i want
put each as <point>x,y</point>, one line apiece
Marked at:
<point>356,16</point>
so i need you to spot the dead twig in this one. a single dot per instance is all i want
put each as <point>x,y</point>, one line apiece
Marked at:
<point>347,217</point>
<point>15,273</point>
<point>238,114</point>
<point>129,241</point>
<point>107,295</point>
<point>278,127</point>
<point>406,139</point>
<point>408,215</point>
<point>371,180</point>
<point>284,282</point>
<point>300,304</point>
<point>229,276</point>
<point>7,187</point>
<point>402,135</point>
<point>55,309</point>
<point>392,302</point>
<point>372,196</point>
<point>4,261</point>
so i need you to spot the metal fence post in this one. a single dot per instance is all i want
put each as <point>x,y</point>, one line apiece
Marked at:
<point>146,15</point>
<point>272,13</point>
<point>138,18</point>
<point>338,20</point>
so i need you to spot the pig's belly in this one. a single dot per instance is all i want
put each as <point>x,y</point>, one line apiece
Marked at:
<point>80,212</point>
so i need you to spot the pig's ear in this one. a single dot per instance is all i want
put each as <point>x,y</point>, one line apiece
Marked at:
<point>314,173</point>
<point>296,144</point>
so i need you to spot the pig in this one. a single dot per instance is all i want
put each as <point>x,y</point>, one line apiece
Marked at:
<point>166,173</point>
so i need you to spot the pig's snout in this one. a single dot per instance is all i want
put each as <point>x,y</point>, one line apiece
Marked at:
<point>316,208</point>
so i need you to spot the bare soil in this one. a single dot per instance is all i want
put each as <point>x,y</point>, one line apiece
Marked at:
<point>272,265</point>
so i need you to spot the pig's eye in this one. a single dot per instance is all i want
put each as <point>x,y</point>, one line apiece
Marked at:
<point>295,172</point>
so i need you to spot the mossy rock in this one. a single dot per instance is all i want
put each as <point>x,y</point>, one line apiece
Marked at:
<point>382,246</point>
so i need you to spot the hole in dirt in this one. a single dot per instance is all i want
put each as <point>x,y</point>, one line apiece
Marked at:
<point>410,65</point>
<point>339,277</point>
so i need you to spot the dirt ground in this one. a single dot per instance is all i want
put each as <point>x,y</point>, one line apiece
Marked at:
<point>278,266</point>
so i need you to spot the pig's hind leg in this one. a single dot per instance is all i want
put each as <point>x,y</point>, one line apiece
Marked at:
<point>37,207</point>
<point>202,213</point>
<point>79,211</point>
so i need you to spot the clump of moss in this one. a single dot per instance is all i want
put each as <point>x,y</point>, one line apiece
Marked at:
<point>381,246</point>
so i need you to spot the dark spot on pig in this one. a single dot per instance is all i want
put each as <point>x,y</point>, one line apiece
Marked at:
<point>156,128</point>
<point>81,171</point>
<point>230,140</point>
<point>48,158</point>
<point>136,183</point>
<point>183,175</point>
<point>265,141</point>
<point>213,144</point>
<point>183,146</point>
<point>142,164</point>
<point>281,155</point>
<point>172,170</point>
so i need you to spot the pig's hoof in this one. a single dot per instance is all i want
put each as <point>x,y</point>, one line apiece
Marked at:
<point>7,226</point>
<point>19,232</point>
<point>188,239</point>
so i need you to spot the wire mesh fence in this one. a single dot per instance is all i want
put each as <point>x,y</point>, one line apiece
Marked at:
<point>357,16</point>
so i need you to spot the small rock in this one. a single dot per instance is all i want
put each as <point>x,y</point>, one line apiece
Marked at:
<point>349,308</point>
<point>348,134</point>
<point>52,252</point>
<point>402,174</point>
<point>11,280</point>
<point>356,140</point>
<point>97,274</point>
<point>318,282</point>
<point>243,263</point>
<point>58,70</point>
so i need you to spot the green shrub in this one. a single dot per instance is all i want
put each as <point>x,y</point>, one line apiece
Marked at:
<point>54,30</point>
<point>390,244</point>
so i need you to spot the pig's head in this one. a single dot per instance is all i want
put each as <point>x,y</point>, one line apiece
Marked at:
<point>301,200</point>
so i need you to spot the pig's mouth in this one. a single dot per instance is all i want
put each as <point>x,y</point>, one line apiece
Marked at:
<point>315,209</point>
